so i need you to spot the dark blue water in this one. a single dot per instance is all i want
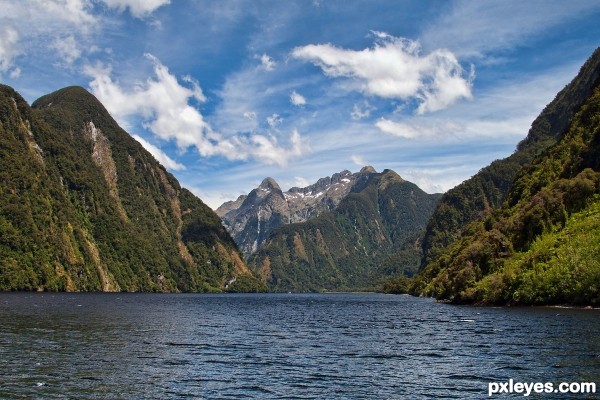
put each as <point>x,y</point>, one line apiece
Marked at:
<point>284,346</point>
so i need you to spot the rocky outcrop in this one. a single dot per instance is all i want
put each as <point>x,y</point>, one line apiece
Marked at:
<point>251,218</point>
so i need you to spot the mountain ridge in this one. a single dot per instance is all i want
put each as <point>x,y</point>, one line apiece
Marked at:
<point>473,198</point>
<point>95,211</point>
<point>541,245</point>
<point>251,218</point>
<point>372,234</point>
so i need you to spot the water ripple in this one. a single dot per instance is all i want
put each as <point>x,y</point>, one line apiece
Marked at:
<point>334,346</point>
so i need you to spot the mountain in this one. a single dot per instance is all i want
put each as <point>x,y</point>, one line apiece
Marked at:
<point>487,189</point>
<point>373,233</point>
<point>251,219</point>
<point>542,244</point>
<point>83,207</point>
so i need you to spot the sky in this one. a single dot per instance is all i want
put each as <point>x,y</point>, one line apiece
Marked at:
<point>227,92</point>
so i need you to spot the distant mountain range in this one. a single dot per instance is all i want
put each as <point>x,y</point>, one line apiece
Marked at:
<point>251,218</point>
<point>83,207</point>
<point>347,232</point>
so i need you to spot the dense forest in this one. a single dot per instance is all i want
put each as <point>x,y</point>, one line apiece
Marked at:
<point>541,245</point>
<point>83,207</point>
<point>472,199</point>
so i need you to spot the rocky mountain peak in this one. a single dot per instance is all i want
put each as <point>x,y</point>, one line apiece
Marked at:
<point>269,184</point>
<point>250,221</point>
<point>367,170</point>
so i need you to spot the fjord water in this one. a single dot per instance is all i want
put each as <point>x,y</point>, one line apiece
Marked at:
<point>276,346</point>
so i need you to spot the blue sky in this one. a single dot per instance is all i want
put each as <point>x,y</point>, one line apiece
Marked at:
<point>225,93</point>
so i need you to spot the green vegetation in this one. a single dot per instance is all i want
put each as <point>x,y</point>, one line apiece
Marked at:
<point>475,197</point>
<point>542,245</point>
<point>373,234</point>
<point>83,207</point>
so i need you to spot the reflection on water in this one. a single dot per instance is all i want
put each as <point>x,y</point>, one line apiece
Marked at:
<point>317,346</point>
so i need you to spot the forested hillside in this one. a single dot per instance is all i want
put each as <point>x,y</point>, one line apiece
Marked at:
<point>542,246</point>
<point>83,207</point>
<point>373,234</point>
<point>473,198</point>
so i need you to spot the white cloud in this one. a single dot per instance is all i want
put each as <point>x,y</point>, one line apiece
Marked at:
<point>75,12</point>
<point>297,99</point>
<point>360,111</point>
<point>502,114</point>
<point>267,63</point>
<point>419,129</point>
<point>9,49</point>
<point>300,182</point>
<point>431,181</point>
<point>15,73</point>
<point>274,120</point>
<point>162,102</point>
<point>474,28</point>
<point>164,105</point>
<point>397,129</point>
<point>359,160</point>
<point>251,115</point>
<point>267,150</point>
<point>137,8</point>
<point>160,155</point>
<point>67,48</point>
<point>394,69</point>
<point>40,26</point>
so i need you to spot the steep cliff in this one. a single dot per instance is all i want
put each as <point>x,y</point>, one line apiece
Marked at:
<point>472,199</point>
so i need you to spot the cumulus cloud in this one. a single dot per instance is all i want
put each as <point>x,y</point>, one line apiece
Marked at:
<point>267,63</point>
<point>164,105</point>
<point>137,8</point>
<point>297,99</point>
<point>267,150</point>
<point>160,155</point>
<point>394,68</point>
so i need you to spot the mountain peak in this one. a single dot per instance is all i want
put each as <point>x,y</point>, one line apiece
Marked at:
<point>68,94</point>
<point>102,190</point>
<point>367,170</point>
<point>269,183</point>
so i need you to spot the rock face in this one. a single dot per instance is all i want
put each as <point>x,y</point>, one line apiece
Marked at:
<point>84,207</point>
<point>251,219</point>
<point>373,234</point>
